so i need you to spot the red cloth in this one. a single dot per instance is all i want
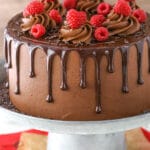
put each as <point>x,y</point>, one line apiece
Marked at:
<point>10,141</point>
<point>146,133</point>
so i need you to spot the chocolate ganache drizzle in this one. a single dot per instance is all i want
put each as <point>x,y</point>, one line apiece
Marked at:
<point>116,24</point>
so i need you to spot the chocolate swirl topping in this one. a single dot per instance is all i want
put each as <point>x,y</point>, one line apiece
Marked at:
<point>43,19</point>
<point>121,25</point>
<point>134,5</point>
<point>88,5</point>
<point>75,36</point>
<point>55,5</point>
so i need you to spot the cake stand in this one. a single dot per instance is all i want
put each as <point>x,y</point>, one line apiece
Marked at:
<point>73,135</point>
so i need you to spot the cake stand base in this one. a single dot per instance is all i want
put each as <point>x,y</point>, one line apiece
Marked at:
<point>86,142</point>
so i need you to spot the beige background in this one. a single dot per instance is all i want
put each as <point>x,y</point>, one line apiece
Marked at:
<point>9,8</point>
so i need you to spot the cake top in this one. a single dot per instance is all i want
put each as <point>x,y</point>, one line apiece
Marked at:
<point>82,21</point>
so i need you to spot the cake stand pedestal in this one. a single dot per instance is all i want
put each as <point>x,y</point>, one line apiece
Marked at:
<point>73,135</point>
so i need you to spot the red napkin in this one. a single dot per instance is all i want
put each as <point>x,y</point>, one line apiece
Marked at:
<point>146,133</point>
<point>10,141</point>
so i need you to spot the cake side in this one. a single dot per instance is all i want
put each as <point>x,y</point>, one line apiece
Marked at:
<point>52,79</point>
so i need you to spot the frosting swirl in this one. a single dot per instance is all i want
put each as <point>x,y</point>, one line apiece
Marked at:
<point>133,5</point>
<point>121,25</point>
<point>88,6</point>
<point>55,5</point>
<point>43,19</point>
<point>76,36</point>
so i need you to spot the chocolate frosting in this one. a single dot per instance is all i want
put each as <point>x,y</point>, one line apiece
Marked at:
<point>89,6</point>
<point>80,35</point>
<point>94,50</point>
<point>55,5</point>
<point>120,25</point>
<point>133,5</point>
<point>43,19</point>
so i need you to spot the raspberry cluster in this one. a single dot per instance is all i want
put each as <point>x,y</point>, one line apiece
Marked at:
<point>76,19</point>
<point>34,7</point>
<point>140,15</point>
<point>70,4</point>
<point>37,7</point>
<point>55,15</point>
<point>122,7</point>
<point>38,30</point>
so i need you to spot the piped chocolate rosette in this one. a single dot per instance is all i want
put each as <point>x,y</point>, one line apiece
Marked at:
<point>42,19</point>
<point>89,6</point>
<point>37,21</point>
<point>53,4</point>
<point>118,24</point>
<point>124,18</point>
<point>76,29</point>
<point>118,20</point>
<point>133,4</point>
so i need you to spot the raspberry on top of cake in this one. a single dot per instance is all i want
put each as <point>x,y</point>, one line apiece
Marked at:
<point>82,21</point>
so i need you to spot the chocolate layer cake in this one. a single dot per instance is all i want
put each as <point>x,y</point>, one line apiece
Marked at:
<point>81,63</point>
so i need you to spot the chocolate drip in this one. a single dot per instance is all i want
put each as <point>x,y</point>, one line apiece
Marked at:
<point>50,56</point>
<point>125,52</point>
<point>31,54</point>
<point>97,81</point>
<point>64,56</point>
<point>139,45</point>
<point>7,52</point>
<point>96,50</point>
<point>17,64</point>
<point>83,72</point>
<point>148,43</point>
<point>110,58</point>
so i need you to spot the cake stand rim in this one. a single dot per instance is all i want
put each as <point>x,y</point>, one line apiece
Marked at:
<point>74,127</point>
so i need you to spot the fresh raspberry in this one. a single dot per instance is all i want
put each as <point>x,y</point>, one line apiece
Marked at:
<point>55,15</point>
<point>140,15</point>
<point>75,18</point>
<point>146,133</point>
<point>103,8</point>
<point>101,34</point>
<point>38,30</point>
<point>97,20</point>
<point>122,7</point>
<point>69,4</point>
<point>34,7</point>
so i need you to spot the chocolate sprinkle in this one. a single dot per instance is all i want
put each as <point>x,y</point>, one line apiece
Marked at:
<point>4,98</point>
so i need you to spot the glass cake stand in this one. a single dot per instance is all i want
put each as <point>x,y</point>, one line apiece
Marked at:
<point>73,135</point>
